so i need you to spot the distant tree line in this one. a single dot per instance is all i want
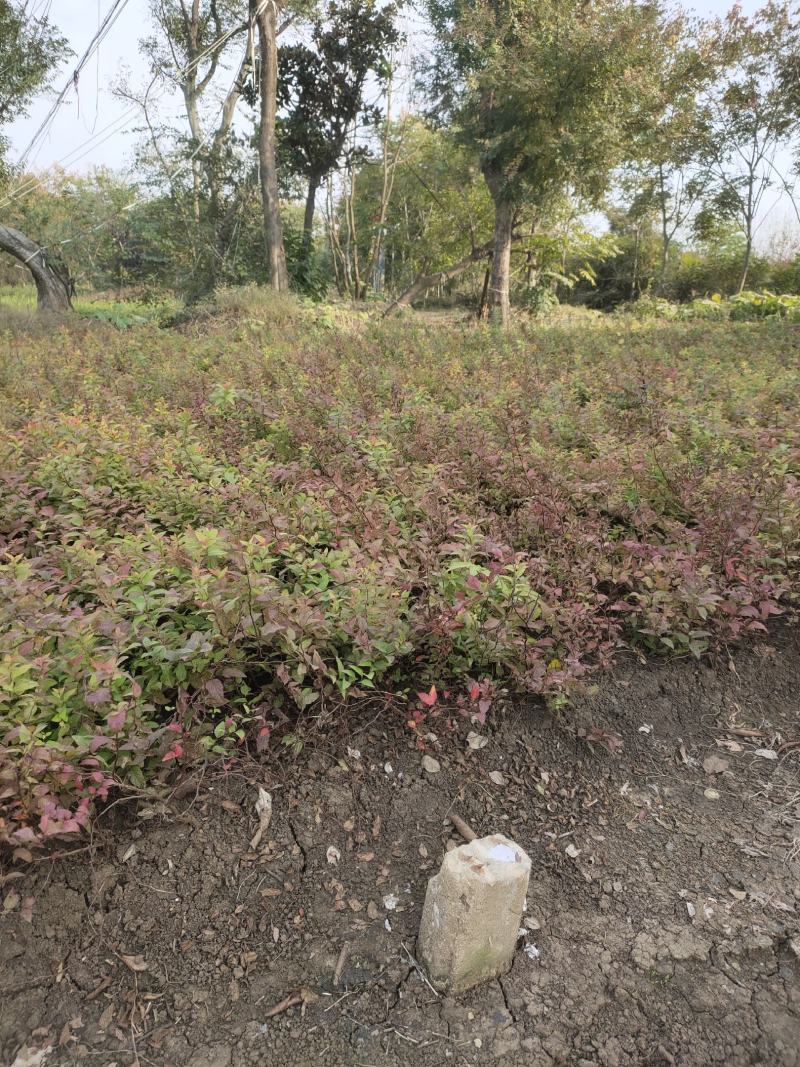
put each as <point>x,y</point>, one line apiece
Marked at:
<point>314,151</point>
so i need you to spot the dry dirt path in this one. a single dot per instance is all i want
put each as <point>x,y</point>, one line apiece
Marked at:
<point>664,906</point>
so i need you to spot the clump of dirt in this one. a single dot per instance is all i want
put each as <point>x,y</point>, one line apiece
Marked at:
<point>662,923</point>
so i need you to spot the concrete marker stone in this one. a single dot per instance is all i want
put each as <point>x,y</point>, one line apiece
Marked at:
<point>472,914</point>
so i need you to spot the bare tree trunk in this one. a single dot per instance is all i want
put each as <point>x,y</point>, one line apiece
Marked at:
<point>265,14</point>
<point>484,292</point>
<point>337,255</point>
<point>308,217</point>
<point>499,303</point>
<point>52,287</point>
<point>428,281</point>
<point>358,289</point>
<point>748,253</point>
<point>665,237</point>
<point>635,273</point>
<point>389,167</point>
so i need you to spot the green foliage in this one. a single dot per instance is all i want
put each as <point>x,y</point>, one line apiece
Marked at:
<point>208,530</point>
<point>749,113</point>
<point>321,88</point>
<point>743,307</point>
<point>439,205</point>
<point>547,93</point>
<point>30,47</point>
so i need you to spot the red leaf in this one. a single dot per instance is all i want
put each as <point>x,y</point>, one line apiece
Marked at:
<point>430,698</point>
<point>117,720</point>
<point>99,696</point>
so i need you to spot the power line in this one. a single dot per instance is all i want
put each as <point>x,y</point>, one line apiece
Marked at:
<point>187,162</point>
<point>33,183</point>
<point>139,198</point>
<point>116,9</point>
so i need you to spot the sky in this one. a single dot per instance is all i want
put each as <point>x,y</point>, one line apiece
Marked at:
<point>94,128</point>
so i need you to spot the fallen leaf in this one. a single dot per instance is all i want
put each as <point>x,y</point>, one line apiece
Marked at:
<point>26,911</point>
<point>28,1057</point>
<point>715,765</point>
<point>766,753</point>
<point>431,765</point>
<point>263,807</point>
<point>476,741</point>
<point>11,901</point>
<point>231,806</point>
<point>135,963</point>
<point>497,777</point>
<point>429,698</point>
<point>333,855</point>
<point>107,1018</point>
<point>354,904</point>
<point>66,1034</point>
<point>711,794</point>
<point>365,857</point>
<point>611,740</point>
<point>376,827</point>
<point>572,851</point>
<point>372,910</point>
<point>731,746</point>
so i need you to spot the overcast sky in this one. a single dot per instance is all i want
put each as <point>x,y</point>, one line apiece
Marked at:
<point>95,113</point>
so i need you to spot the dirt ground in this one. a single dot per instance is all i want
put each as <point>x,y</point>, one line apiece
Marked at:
<point>662,924</point>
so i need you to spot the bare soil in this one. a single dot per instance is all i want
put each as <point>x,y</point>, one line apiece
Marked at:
<point>663,922</point>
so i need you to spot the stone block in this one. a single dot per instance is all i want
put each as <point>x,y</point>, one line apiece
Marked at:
<point>472,915</point>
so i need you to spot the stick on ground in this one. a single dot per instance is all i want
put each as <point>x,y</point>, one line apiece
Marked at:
<point>337,974</point>
<point>463,828</point>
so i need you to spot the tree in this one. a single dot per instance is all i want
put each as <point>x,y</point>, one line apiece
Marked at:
<point>751,114</point>
<point>321,89</point>
<point>665,169</point>
<point>263,14</point>
<point>194,44</point>
<point>439,212</point>
<point>546,93</point>
<point>30,48</point>
<point>58,204</point>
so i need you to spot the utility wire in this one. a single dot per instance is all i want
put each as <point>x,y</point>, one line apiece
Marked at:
<point>116,9</point>
<point>33,183</point>
<point>170,177</point>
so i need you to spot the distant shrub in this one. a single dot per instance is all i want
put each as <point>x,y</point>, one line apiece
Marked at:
<point>744,307</point>
<point>749,307</point>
